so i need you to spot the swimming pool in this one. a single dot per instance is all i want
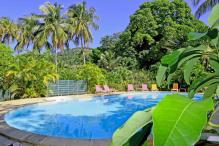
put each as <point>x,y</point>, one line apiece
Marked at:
<point>90,118</point>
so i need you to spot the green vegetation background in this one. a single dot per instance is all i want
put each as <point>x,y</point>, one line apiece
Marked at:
<point>132,56</point>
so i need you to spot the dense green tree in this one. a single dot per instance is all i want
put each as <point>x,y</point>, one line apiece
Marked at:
<point>25,75</point>
<point>92,74</point>
<point>6,55</point>
<point>29,75</point>
<point>109,61</point>
<point>70,58</point>
<point>155,29</point>
<point>108,42</point>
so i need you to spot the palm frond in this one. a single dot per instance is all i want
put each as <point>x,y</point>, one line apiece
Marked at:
<point>205,7</point>
<point>196,2</point>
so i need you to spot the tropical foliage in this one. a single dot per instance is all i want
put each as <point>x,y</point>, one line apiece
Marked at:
<point>25,75</point>
<point>92,74</point>
<point>51,29</point>
<point>132,56</point>
<point>155,29</point>
<point>181,123</point>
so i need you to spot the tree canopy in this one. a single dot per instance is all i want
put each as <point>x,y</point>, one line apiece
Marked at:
<point>156,28</point>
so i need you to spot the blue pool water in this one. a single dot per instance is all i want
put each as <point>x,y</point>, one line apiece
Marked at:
<point>94,118</point>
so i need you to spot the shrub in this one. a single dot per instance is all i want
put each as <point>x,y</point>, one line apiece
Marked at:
<point>92,74</point>
<point>119,78</point>
<point>29,75</point>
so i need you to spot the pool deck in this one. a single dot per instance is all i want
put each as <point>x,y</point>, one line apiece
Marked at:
<point>10,135</point>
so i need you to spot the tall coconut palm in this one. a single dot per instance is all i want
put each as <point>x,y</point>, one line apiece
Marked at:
<point>52,32</point>
<point>8,30</point>
<point>28,26</point>
<point>52,27</point>
<point>204,6</point>
<point>84,19</point>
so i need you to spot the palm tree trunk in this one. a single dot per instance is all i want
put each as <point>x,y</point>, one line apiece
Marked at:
<point>83,51</point>
<point>56,60</point>
<point>84,57</point>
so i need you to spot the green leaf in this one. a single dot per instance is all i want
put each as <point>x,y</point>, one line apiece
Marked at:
<point>213,18</point>
<point>171,58</point>
<point>210,92</point>
<point>136,128</point>
<point>217,91</point>
<point>187,58</point>
<point>213,33</point>
<point>161,74</point>
<point>145,144</point>
<point>215,41</point>
<point>195,35</point>
<point>188,69</point>
<point>215,65</point>
<point>201,83</point>
<point>179,120</point>
<point>169,79</point>
<point>216,24</point>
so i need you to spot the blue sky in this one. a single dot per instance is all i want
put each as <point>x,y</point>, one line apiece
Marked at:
<point>114,14</point>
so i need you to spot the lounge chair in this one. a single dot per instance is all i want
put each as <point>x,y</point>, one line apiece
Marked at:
<point>144,87</point>
<point>130,87</point>
<point>183,89</point>
<point>98,89</point>
<point>175,87</point>
<point>106,88</point>
<point>154,87</point>
<point>213,139</point>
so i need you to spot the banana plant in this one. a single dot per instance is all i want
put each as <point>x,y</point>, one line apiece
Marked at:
<point>206,54</point>
<point>179,120</point>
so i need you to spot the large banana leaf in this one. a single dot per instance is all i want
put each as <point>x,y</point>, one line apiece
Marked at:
<point>172,58</point>
<point>215,65</point>
<point>188,69</point>
<point>196,35</point>
<point>161,74</point>
<point>203,83</point>
<point>171,62</point>
<point>214,17</point>
<point>179,120</point>
<point>135,131</point>
<point>210,92</point>
<point>217,91</point>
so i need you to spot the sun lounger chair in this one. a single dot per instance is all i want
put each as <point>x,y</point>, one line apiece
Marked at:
<point>213,139</point>
<point>106,88</point>
<point>175,87</point>
<point>130,87</point>
<point>98,89</point>
<point>154,87</point>
<point>144,87</point>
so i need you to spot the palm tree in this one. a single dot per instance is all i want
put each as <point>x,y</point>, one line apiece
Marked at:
<point>8,30</point>
<point>52,27</point>
<point>83,19</point>
<point>28,27</point>
<point>204,6</point>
